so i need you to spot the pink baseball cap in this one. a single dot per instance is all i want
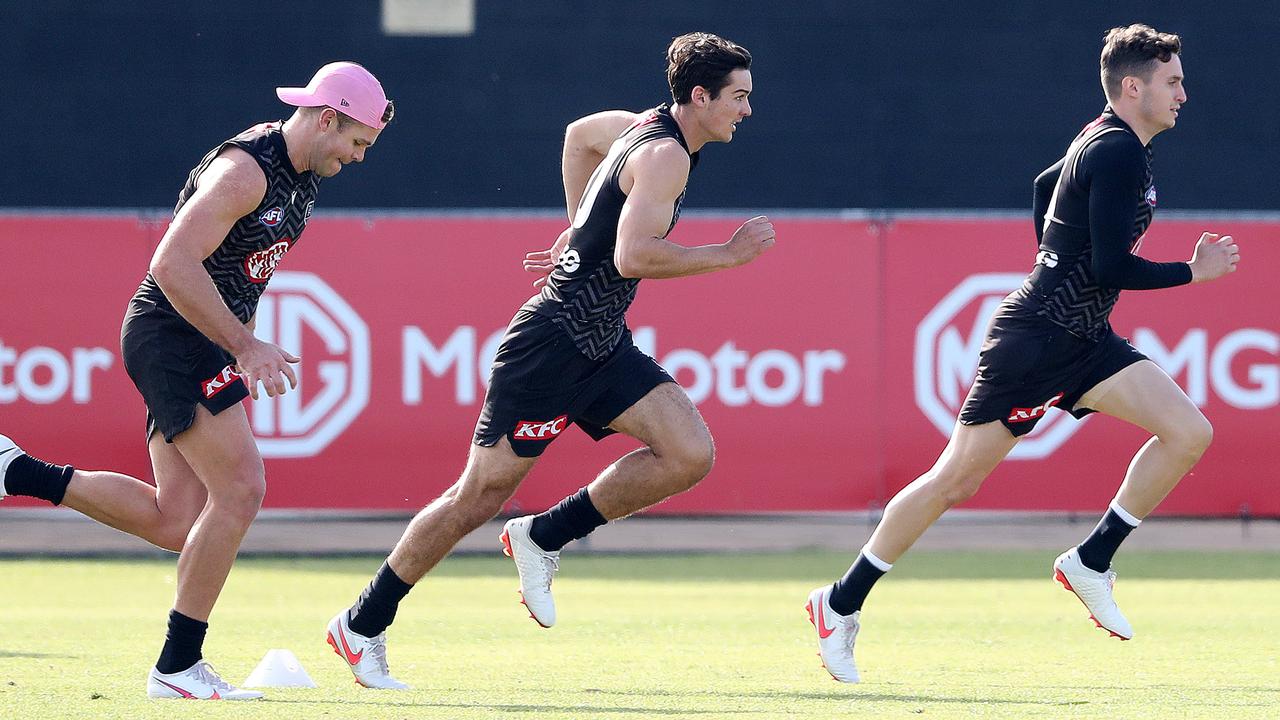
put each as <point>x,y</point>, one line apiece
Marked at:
<point>347,88</point>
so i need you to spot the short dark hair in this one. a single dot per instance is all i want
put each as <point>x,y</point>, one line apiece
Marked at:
<point>1134,51</point>
<point>345,120</point>
<point>702,59</point>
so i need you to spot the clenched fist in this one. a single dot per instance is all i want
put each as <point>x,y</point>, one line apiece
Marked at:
<point>1213,257</point>
<point>749,241</point>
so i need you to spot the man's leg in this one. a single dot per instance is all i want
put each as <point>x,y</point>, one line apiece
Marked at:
<point>219,450</point>
<point>678,453</point>
<point>1143,395</point>
<point>491,476</point>
<point>969,457</point>
<point>161,514</point>
<point>971,454</point>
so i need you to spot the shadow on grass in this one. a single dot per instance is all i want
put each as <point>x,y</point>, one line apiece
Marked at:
<point>524,708</point>
<point>33,655</point>
<point>804,567</point>
<point>851,694</point>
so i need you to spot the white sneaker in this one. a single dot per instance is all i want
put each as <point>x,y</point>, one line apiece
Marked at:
<point>8,451</point>
<point>536,567</point>
<point>836,634</point>
<point>366,657</point>
<point>1094,590</point>
<point>198,682</point>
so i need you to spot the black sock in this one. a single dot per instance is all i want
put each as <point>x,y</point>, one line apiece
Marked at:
<point>37,478</point>
<point>849,591</point>
<point>182,644</point>
<point>376,608</point>
<point>575,517</point>
<point>1097,550</point>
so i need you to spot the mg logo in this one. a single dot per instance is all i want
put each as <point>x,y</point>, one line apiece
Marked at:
<point>303,315</point>
<point>948,340</point>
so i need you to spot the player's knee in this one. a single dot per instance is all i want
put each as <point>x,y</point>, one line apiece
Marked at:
<point>953,489</point>
<point>1194,435</point>
<point>476,499</point>
<point>693,457</point>
<point>242,499</point>
<point>171,537</point>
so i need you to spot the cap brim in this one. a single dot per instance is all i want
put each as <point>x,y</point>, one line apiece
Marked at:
<point>297,97</point>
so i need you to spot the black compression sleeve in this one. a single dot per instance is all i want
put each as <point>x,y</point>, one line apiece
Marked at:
<point>1115,166</point>
<point>1045,184</point>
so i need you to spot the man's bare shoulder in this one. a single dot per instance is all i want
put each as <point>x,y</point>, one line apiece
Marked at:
<point>663,158</point>
<point>234,177</point>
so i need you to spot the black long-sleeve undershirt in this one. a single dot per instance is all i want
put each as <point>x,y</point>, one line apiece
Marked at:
<point>1044,185</point>
<point>1113,168</point>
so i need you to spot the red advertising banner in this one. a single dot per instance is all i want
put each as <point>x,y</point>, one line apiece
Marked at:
<point>830,370</point>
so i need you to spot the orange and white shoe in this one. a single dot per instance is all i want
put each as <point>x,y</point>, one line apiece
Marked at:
<point>1094,590</point>
<point>536,566</point>
<point>836,634</point>
<point>8,451</point>
<point>198,682</point>
<point>366,657</point>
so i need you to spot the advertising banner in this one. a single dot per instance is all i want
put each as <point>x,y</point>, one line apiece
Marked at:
<point>830,370</point>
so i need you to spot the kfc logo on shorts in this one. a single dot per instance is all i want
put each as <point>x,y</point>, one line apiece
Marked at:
<point>271,217</point>
<point>1018,415</point>
<point>948,340</point>
<point>539,430</point>
<point>303,315</point>
<point>219,382</point>
<point>262,264</point>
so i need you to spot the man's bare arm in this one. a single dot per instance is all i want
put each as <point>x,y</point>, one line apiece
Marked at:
<point>657,173</point>
<point>586,142</point>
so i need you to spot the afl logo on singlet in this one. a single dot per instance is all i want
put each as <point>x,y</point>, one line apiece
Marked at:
<point>272,216</point>
<point>1151,196</point>
<point>569,261</point>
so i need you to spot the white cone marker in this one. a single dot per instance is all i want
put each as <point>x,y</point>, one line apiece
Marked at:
<point>279,668</point>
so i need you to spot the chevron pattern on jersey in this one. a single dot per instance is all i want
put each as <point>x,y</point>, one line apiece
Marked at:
<point>243,263</point>
<point>1071,295</point>
<point>1079,304</point>
<point>594,316</point>
<point>586,296</point>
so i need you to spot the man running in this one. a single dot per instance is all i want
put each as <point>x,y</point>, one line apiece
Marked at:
<point>188,345</point>
<point>1050,344</point>
<point>568,356</point>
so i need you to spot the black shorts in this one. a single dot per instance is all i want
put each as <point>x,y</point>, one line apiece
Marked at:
<point>540,384</point>
<point>1029,365</point>
<point>175,367</point>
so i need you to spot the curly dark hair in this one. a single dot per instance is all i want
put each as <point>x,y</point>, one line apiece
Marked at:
<point>702,59</point>
<point>1133,52</point>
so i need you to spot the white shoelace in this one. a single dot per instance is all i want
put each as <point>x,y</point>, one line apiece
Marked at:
<point>551,565</point>
<point>205,672</point>
<point>847,635</point>
<point>378,651</point>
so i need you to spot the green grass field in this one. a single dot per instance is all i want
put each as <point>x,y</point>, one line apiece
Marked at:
<point>948,635</point>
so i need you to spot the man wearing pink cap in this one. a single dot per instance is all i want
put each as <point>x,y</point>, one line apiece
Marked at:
<point>188,344</point>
